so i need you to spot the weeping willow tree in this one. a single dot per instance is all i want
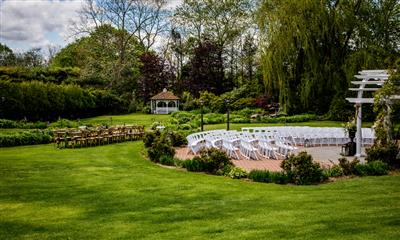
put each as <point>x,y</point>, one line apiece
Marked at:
<point>311,49</point>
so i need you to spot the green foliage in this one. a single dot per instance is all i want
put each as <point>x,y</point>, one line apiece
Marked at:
<point>330,41</point>
<point>347,166</point>
<point>150,137</point>
<point>160,145</point>
<point>211,161</point>
<point>25,138</point>
<point>247,112</point>
<point>57,75</point>
<point>340,109</point>
<point>375,168</point>
<point>213,118</point>
<point>175,138</point>
<point>193,165</point>
<point>302,170</point>
<point>182,116</point>
<point>334,171</point>
<point>290,119</point>
<point>64,123</point>
<point>167,160</point>
<point>5,123</point>
<point>238,119</point>
<point>269,176</point>
<point>47,101</point>
<point>187,102</point>
<point>160,148</point>
<point>237,173</point>
<point>387,154</point>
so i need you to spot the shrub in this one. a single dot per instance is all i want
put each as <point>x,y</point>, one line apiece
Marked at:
<point>239,119</point>
<point>243,103</point>
<point>25,138</point>
<point>64,123</point>
<point>48,101</point>
<point>334,171</point>
<point>361,170</point>
<point>167,160</point>
<point>375,168</point>
<point>179,162</point>
<point>176,138</point>
<point>237,173</point>
<point>5,123</point>
<point>386,154</point>
<point>182,116</point>
<point>194,165</point>
<point>347,166</point>
<point>213,118</point>
<point>268,177</point>
<point>154,125</point>
<point>302,170</point>
<point>290,119</point>
<point>160,148</point>
<point>211,160</point>
<point>150,137</point>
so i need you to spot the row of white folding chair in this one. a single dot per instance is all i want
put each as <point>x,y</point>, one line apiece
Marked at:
<point>196,141</point>
<point>267,149</point>
<point>248,150</point>
<point>314,136</point>
<point>230,148</point>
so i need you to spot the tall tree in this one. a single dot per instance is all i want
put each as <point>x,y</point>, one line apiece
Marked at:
<point>202,72</point>
<point>310,55</point>
<point>155,75</point>
<point>7,56</point>
<point>221,22</point>
<point>142,19</point>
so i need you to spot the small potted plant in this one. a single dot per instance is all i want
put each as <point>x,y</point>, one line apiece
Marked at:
<point>350,128</point>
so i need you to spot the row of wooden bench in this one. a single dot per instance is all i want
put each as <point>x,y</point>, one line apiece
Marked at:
<point>85,137</point>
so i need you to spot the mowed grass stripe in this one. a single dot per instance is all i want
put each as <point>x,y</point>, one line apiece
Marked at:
<point>112,192</point>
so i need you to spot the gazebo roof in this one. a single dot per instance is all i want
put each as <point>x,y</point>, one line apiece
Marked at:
<point>165,95</point>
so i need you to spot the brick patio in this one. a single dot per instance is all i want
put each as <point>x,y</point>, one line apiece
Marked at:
<point>326,156</point>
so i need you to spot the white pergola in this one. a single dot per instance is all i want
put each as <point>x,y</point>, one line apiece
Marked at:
<point>367,77</point>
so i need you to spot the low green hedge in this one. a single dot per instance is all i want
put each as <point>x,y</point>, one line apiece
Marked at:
<point>5,123</point>
<point>290,119</point>
<point>25,138</point>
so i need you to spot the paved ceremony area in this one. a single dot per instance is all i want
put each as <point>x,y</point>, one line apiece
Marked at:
<point>326,156</point>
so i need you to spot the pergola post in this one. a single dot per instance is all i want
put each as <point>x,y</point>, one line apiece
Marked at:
<point>359,129</point>
<point>367,77</point>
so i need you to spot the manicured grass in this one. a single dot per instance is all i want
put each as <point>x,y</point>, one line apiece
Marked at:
<point>148,119</point>
<point>238,126</point>
<point>133,118</point>
<point>111,192</point>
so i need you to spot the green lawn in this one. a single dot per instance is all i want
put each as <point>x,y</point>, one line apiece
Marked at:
<point>133,118</point>
<point>238,126</point>
<point>148,119</point>
<point>111,192</point>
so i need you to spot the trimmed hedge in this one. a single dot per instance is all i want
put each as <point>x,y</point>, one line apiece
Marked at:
<point>25,138</point>
<point>36,100</point>
<point>5,123</point>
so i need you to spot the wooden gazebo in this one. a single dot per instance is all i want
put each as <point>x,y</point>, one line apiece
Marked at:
<point>164,103</point>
